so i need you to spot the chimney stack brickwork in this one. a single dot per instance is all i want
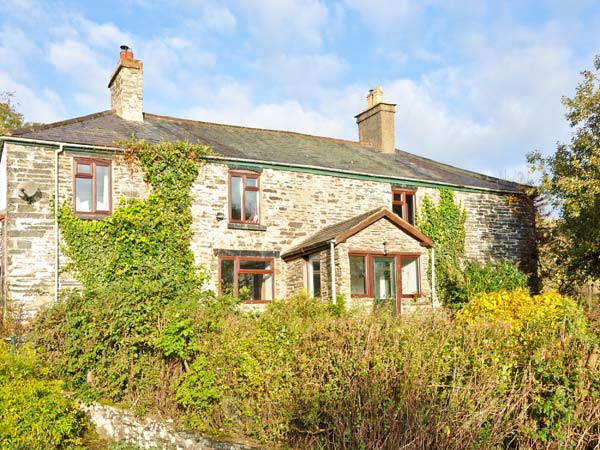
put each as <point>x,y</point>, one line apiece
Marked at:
<point>126,89</point>
<point>376,123</point>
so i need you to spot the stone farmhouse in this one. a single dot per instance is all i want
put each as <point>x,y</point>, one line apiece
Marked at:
<point>274,211</point>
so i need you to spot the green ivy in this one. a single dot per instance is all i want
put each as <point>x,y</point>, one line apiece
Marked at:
<point>136,266</point>
<point>459,279</point>
<point>445,224</point>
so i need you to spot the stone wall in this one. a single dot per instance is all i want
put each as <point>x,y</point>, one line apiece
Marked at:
<point>294,205</point>
<point>295,276</point>
<point>121,425</point>
<point>30,242</point>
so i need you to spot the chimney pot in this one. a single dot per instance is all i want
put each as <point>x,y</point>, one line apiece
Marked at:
<point>126,52</point>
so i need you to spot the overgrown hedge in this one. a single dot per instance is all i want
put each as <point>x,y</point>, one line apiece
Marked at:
<point>305,373</point>
<point>34,414</point>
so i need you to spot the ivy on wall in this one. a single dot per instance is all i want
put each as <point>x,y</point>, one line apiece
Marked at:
<point>445,224</point>
<point>136,267</point>
<point>458,279</point>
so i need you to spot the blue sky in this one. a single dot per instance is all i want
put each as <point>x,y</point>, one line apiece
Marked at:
<point>477,84</point>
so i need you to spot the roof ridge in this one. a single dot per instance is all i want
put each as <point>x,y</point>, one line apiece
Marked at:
<point>268,130</point>
<point>24,130</point>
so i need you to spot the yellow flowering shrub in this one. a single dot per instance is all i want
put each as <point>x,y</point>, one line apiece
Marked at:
<point>549,311</point>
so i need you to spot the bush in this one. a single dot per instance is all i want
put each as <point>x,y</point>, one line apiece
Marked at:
<point>33,411</point>
<point>490,277</point>
<point>303,375</point>
<point>549,312</point>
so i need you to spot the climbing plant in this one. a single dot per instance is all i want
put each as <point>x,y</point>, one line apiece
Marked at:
<point>135,266</point>
<point>445,224</point>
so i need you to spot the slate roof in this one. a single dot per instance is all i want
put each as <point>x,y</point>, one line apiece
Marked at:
<point>283,147</point>
<point>341,231</point>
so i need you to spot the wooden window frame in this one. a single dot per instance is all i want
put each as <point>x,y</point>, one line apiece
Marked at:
<point>403,204</point>
<point>237,271</point>
<point>245,176</point>
<point>92,162</point>
<point>310,274</point>
<point>398,269</point>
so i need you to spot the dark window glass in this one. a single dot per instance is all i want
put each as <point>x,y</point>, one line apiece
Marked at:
<point>316,277</point>
<point>227,276</point>
<point>249,279</point>
<point>403,204</point>
<point>410,208</point>
<point>255,286</point>
<point>358,275</point>
<point>246,264</point>
<point>397,209</point>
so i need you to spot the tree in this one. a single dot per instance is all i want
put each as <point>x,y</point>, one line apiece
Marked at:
<point>571,182</point>
<point>9,117</point>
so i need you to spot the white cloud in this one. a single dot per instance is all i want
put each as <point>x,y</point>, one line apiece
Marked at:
<point>44,106</point>
<point>286,24</point>
<point>301,75</point>
<point>104,35</point>
<point>218,18</point>
<point>235,105</point>
<point>86,69</point>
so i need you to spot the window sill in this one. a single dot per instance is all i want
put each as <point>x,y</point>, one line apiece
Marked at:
<point>246,226</point>
<point>91,216</point>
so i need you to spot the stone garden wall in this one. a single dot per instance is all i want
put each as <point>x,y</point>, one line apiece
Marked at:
<point>121,425</point>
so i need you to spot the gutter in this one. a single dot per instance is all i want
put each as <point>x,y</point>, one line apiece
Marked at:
<point>289,167</point>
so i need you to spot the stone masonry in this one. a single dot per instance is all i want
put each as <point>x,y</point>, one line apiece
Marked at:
<point>294,205</point>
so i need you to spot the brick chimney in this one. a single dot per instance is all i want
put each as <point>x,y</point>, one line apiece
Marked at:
<point>376,122</point>
<point>126,90</point>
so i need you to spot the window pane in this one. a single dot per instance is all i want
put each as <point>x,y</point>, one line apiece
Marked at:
<point>316,277</point>
<point>251,210</point>
<point>227,276</point>
<point>255,286</point>
<point>84,168</point>
<point>410,206</point>
<point>83,194</point>
<point>397,196</point>
<point>255,265</point>
<point>102,185</point>
<point>398,209</point>
<point>252,182</point>
<point>236,198</point>
<point>410,276</point>
<point>358,275</point>
<point>383,278</point>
